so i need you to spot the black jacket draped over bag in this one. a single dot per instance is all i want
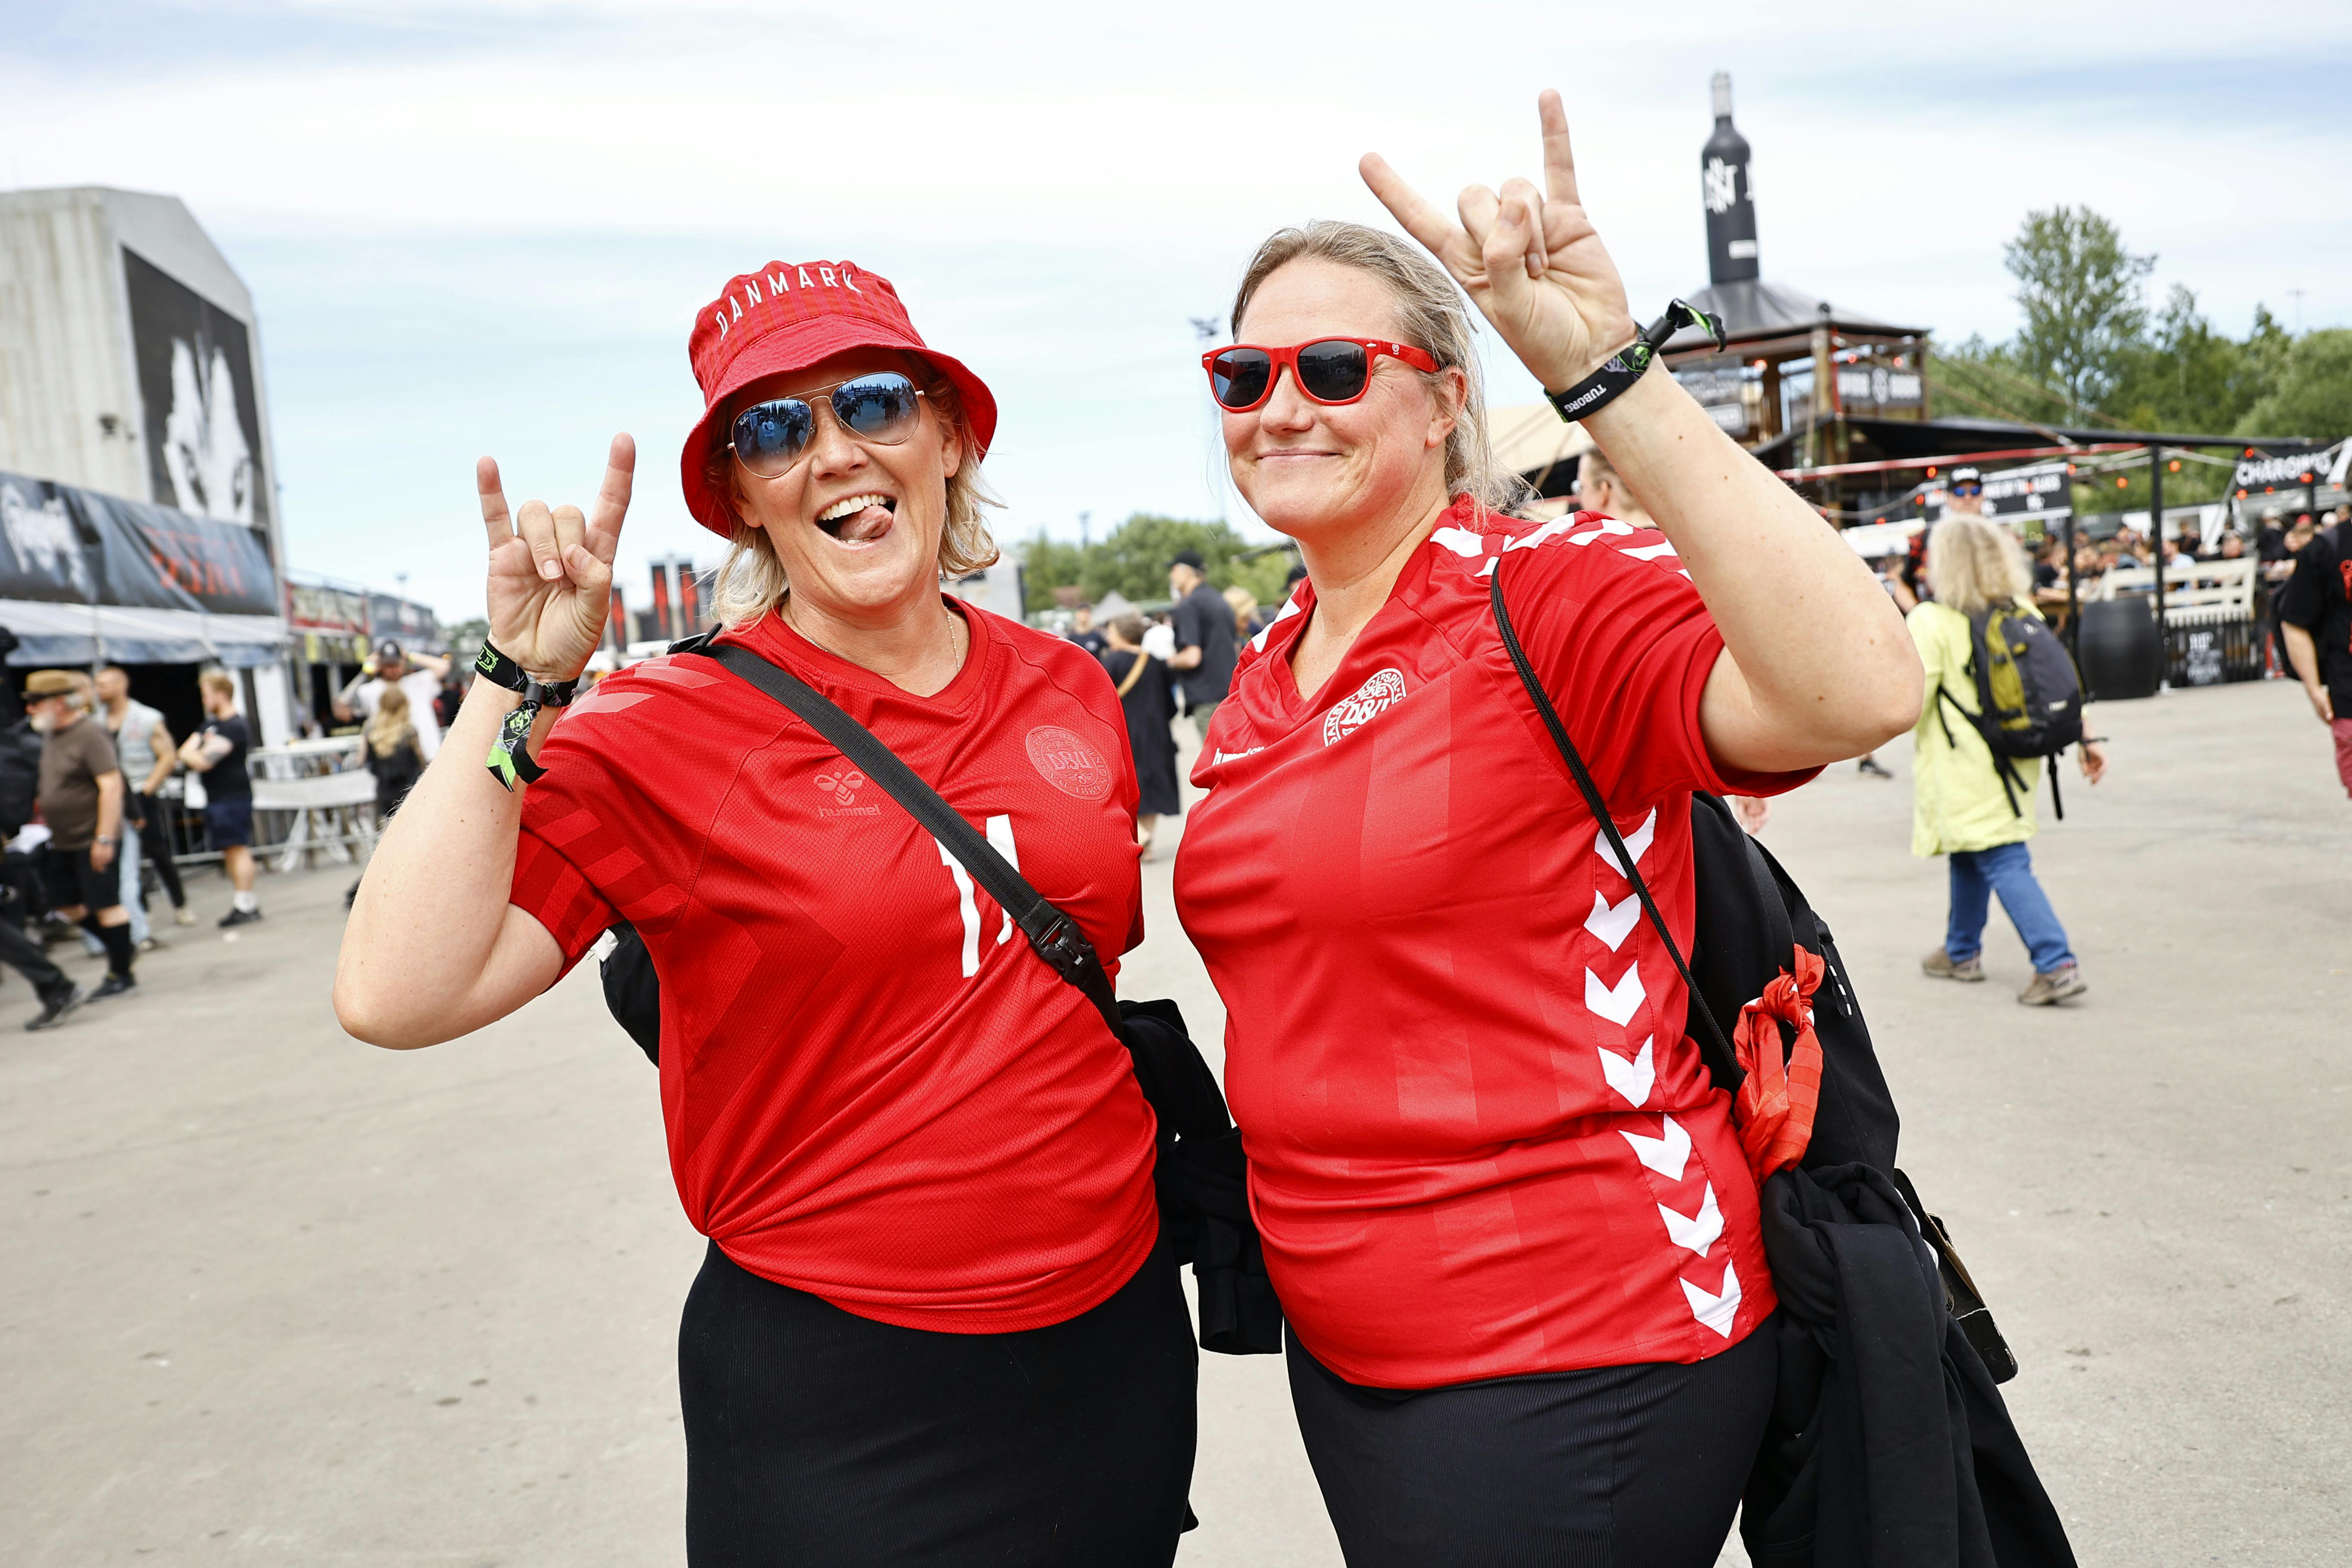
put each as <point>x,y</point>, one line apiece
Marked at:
<point>1889,1445</point>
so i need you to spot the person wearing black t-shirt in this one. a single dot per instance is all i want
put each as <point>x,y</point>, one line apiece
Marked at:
<point>217,751</point>
<point>2316,617</point>
<point>1204,639</point>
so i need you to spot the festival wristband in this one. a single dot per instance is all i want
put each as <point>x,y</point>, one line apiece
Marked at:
<point>509,760</point>
<point>1627,366</point>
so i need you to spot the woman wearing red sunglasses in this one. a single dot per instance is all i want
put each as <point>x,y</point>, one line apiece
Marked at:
<point>934,1323</point>
<point>1507,1212</point>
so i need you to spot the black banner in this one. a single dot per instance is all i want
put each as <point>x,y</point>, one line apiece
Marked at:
<point>73,546</point>
<point>2297,470</point>
<point>195,382</point>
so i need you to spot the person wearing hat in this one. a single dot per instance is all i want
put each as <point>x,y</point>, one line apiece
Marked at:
<point>418,676</point>
<point>81,802</point>
<point>935,1323</point>
<point>1205,639</point>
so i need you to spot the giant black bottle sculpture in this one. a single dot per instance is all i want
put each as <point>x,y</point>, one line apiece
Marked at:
<point>1730,198</point>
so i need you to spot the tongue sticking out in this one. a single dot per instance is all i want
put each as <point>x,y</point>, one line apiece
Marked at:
<point>861,527</point>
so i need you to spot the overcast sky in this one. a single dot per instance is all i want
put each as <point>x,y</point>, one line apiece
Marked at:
<point>486,227</point>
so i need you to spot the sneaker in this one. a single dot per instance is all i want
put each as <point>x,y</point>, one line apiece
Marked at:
<point>54,1005</point>
<point>153,944</point>
<point>114,985</point>
<point>1941,965</point>
<point>2055,987</point>
<point>1871,768</point>
<point>183,916</point>
<point>240,917</point>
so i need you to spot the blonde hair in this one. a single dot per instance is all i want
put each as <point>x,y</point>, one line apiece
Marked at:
<point>217,680</point>
<point>390,724</point>
<point>1973,562</point>
<point>750,581</point>
<point>1430,314</point>
<point>1243,605</point>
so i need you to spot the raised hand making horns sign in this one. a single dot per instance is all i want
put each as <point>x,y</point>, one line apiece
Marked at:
<point>1530,260</point>
<point>550,571</point>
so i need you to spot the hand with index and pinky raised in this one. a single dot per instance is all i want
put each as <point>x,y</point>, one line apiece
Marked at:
<point>1530,260</point>
<point>550,571</point>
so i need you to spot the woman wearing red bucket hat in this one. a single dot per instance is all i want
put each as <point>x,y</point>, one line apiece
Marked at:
<point>935,1323</point>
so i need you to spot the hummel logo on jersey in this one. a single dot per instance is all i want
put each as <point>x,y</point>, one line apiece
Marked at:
<point>1382,691</point>
<point>843,785</point>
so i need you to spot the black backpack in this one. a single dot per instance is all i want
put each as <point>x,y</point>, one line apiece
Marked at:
<point>1948,1470</point>
<point>2029,696</point>
<point>20,775</point>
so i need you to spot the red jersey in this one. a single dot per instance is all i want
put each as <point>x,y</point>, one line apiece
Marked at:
<point>1480,1144</point>
<point>874,1090</point>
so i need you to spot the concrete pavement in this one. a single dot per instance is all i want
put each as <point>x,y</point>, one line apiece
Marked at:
<point>275,1297</point>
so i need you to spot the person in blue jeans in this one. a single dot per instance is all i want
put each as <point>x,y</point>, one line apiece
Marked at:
<point>1958,807</point>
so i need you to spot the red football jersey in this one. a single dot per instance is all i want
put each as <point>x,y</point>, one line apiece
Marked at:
<point>1480,1144</point>
<point>874,1090</point>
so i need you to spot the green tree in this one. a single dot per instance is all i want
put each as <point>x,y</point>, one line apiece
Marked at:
<point>2080,290</point>
<point>2187,376</point>
<point>1133,561</point>
<point>2311,393</point>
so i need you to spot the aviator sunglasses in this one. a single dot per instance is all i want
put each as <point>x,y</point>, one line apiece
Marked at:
<point>769,438</point>
<point>1329,371</point>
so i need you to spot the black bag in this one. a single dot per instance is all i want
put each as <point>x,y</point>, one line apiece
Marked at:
<point>2029,698</point>
<point>1199,1174</point>
<point>1859,1464</point>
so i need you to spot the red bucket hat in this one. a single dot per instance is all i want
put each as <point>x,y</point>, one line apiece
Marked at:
<point>786,318</point>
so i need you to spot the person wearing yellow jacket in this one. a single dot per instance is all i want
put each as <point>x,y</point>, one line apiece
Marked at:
<point>1960,808</point>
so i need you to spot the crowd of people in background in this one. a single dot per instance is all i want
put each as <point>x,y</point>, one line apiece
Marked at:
<point>87,798</point>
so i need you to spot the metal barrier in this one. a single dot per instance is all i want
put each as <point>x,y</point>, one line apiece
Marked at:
<point>309,798</point>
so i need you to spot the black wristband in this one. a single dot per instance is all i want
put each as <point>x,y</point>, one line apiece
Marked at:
<point>1628,365</point>
<point>499,670</point>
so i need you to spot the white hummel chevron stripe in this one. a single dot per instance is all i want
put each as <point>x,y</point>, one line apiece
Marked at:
<point>1460,541</point>
<point>1637,843</point>
<point>1289,608</point>
<point>1699,1231</point>
<point>1665,1155</point>
<point>1607,528</point>
<point>1615,1003</point>
<point>1717,1311</point>
<point>1632,1080</point>
<point>1613,922</point>
<point>1650,552</point>
<point>999,838</point>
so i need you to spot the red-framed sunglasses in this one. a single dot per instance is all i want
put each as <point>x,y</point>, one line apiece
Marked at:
<point>1329,371</point>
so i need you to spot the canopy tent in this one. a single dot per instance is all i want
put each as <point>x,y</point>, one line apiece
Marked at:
<point>1758,317</point>
<point>63,635</point>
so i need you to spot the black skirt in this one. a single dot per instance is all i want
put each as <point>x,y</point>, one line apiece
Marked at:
<point>816,1437</point>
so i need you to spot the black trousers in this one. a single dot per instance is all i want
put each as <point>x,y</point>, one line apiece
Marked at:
<point>1618,1467</point>
<point>816,1437</point>
<point>23,954</point>
<point>155,847</point>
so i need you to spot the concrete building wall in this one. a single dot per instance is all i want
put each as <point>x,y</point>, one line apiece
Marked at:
<point>69,406</point>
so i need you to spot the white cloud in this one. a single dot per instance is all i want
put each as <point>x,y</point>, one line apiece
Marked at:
<point>487,227</point>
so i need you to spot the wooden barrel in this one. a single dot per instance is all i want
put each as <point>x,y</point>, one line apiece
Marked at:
<point>2120,653</point>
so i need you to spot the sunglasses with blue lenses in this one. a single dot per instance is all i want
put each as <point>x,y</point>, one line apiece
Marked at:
<point>769,438</point>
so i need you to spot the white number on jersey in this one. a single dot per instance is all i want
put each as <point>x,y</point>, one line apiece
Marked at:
<point>999,838</point>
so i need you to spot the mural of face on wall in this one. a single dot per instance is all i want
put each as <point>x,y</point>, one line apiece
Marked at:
<point>202,414</point>
<point>204,449</point>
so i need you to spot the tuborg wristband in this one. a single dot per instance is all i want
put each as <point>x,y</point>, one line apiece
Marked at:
<point>1626,366</point>
<point>510,760</point>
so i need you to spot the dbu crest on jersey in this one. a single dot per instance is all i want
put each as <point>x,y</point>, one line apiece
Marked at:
<point>1068,763</point>
<point>1381,691</point>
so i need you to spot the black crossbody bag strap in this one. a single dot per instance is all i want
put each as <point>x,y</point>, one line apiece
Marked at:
<point>1722,1061</point>
<point>1053,935</point>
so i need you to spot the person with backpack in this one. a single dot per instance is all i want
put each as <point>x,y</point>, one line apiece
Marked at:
<point>937,1321</point>
<point>1995,678</point>
<point>1507,1213</point>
